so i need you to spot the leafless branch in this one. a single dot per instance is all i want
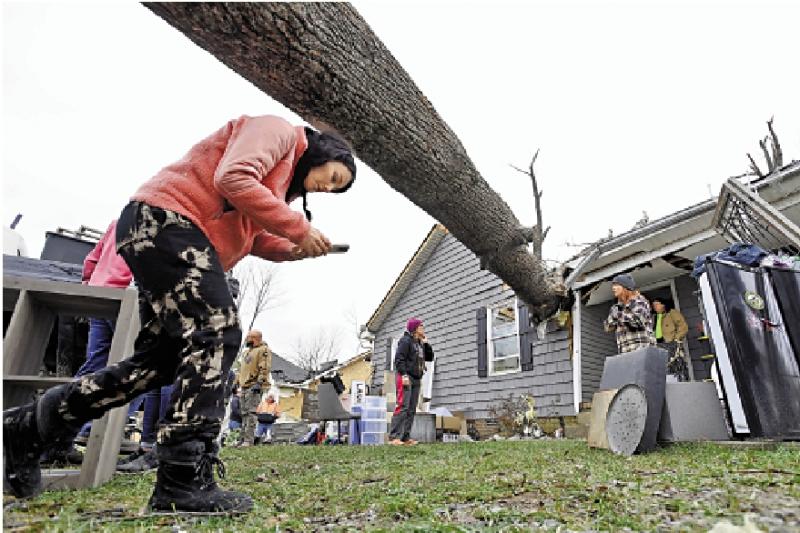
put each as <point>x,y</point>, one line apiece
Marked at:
<point>771,148</point>
<point>777,153</point>
<point>539,234</point>
<point>754,167</point>
<point>770,164</point>
<point>316,347</point>
<point>258,289</point>
<point>519,170</point>
<point>244,286</point>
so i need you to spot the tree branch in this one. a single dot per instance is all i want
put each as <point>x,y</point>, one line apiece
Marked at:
<point>754,167</point>
<point>777,153</point>
<point>770,164</point>
<point>537,199</point>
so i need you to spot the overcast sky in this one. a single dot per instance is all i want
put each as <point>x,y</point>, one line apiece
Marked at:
<point>636,106</point>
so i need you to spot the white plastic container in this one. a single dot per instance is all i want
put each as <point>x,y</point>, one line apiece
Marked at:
<point>372,438</point>
<point>373,414</point>
<point>373,426</point>
<point>375,402</point>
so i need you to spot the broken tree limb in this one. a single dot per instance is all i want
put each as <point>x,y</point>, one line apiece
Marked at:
<point>537,201</point>
<point>777,153</point>
<point>754,167</point>
<point>770,164</point>
<point>323,62</point>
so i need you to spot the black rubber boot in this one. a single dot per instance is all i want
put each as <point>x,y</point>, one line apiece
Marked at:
<point>28,432</point>
<point>143,463</point>
<point>22,448</point>
<point>185,482</point>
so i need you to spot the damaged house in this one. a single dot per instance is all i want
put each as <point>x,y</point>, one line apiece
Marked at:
<point>486,347</point>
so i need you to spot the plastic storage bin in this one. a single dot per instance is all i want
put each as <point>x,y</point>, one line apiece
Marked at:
<point>372,414</point>
<point>354,435</point>
<point>373,426</point>
<point>375,402</point>
<point>372,438</point>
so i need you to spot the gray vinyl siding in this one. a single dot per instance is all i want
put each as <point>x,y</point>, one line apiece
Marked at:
<point>446,293</point>
<point>596,345</point>
<point>685,286</point>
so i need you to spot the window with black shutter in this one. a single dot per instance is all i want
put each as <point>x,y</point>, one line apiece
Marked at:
<point>503,339</point>
<point>526,334</point>
<point>481,320</point>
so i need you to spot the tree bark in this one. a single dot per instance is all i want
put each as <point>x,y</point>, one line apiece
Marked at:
<point>323,62</point>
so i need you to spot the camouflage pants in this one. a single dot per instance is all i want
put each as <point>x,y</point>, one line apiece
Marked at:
<point>190,329</point>
<point>250,401</point>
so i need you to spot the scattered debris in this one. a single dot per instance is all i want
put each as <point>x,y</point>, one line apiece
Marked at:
<point>725,526</point>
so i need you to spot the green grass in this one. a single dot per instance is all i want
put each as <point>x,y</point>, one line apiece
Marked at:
<point>503,486</point>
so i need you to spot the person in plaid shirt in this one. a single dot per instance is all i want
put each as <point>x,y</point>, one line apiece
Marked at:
<point>630,317</point>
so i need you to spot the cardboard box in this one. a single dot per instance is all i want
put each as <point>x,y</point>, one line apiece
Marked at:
<point>449,423</point>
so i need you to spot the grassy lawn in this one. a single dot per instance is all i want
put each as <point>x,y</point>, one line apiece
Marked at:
<point>506,486</point>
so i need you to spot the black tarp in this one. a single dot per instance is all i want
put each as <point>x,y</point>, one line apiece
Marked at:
<point>764,364</point>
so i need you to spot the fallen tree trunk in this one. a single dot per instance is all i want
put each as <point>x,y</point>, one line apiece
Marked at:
<point>323,61</point>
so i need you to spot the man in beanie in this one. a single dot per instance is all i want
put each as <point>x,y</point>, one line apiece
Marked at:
<point>409,364</point>
<point>630,318</point>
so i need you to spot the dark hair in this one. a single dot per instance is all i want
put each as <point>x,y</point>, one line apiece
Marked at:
<point>668,304</point>
<point>322,147</point>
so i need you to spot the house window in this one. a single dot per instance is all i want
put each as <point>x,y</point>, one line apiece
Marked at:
<point>503,339</point>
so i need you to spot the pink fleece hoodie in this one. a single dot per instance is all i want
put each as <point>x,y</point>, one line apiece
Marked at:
<point>103,267</point>
<point>249,163</point>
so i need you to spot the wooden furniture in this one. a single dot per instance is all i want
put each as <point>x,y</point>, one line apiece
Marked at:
<point>35,302</point>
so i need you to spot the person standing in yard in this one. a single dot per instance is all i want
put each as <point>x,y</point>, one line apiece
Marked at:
<point>413,350</point>
<point>227,198</point>
<point>630,317</point>
<point>268,412</point>
<point>253,377</point>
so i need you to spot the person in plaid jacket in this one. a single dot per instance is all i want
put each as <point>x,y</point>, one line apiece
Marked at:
<point>630,318</point>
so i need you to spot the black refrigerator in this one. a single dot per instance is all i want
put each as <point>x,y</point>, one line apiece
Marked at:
<point>753,319</point>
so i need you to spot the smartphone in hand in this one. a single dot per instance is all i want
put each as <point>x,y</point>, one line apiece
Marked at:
<point>339,248</point>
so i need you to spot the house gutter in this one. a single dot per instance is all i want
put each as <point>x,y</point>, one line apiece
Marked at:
<point>602,248</point>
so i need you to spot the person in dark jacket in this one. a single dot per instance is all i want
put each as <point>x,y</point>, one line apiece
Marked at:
<point>413,350</point>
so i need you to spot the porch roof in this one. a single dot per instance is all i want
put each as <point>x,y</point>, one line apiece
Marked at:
<point>667,247</point>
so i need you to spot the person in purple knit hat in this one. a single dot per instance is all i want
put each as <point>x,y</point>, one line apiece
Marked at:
<point>413,350</point>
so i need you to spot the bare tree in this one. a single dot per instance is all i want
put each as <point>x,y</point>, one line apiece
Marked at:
<point>316,347</point>
<point>323,61</point>
<point>259,289</point>
<point>350,316</point>
<point>539,234</point>
<point>771,148</point>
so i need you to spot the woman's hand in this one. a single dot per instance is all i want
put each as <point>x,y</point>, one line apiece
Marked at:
<point>314,245</point>
<point>297,253</point>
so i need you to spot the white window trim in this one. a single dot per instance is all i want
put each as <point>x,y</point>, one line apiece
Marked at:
<point>395,340</point>
<point>490,359</point>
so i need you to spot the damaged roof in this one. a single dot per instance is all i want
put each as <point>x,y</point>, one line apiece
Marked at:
<point>670,244</point>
